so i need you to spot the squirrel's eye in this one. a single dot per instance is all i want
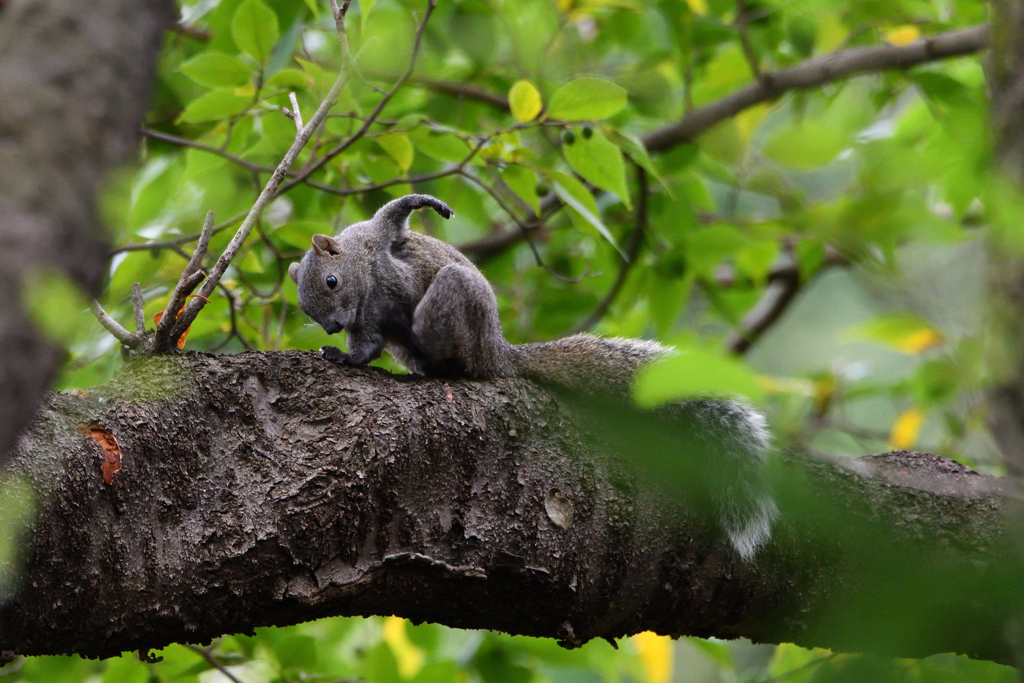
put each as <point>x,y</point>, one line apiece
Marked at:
<point>332,282</point>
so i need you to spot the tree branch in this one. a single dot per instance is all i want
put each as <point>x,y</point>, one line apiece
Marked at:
<point>273,488</point>
<point>636,242</point>
<point>814,73</point>
<point>69,114</point>
<point>811,73</point>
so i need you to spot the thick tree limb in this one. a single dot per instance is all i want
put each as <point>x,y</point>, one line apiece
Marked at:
<point>273,488</point>
<point>67,115</point>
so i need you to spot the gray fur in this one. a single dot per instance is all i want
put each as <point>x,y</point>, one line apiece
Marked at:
<point>437,315</point>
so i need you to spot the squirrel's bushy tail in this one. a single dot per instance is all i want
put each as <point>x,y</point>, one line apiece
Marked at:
<point>586,363</point>
<point>733,433</point>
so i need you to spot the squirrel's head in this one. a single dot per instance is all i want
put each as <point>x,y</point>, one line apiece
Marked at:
<point>340,275</point>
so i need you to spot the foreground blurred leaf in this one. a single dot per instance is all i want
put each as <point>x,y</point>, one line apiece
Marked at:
<point>695,372</point>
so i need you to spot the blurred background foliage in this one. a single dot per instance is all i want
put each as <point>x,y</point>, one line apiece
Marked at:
<point>871,198</point>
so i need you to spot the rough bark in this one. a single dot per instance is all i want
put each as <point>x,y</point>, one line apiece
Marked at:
<point>74,82</point>
<point>274,488</point>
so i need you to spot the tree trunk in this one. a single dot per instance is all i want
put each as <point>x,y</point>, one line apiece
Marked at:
<point>75,77</point>
<point>274,488</point>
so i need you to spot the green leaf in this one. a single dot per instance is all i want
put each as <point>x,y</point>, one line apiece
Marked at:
<point>806,146</point>
<point>254,29</point>
<point>289,78</point>
<point>599,161</point>
<point>56,305</point>
<point>635,150</point>
<point>214,106</point>
<point>398,148</point>
<point>440,146</point>
<point>524,100</point>
<point>692,373</point>
<point>364,13</point>
<point>587,99</point>
<point>523,182</point>
<point>216,70</point>
<point>582,207</point>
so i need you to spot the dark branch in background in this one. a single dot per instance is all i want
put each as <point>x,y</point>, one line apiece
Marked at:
<point>811,73</point>
<point>784,284</point>
<point>464,91</point>
<point>328,514</point>
<point>636,242</point>
<point>814,73</point>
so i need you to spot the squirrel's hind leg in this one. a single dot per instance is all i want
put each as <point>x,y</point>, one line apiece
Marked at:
<point>456,325</point>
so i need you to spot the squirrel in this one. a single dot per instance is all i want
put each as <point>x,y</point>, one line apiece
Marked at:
<point>436,314</point>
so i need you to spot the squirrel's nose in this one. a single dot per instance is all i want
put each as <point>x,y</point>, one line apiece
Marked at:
<point>332,327</point>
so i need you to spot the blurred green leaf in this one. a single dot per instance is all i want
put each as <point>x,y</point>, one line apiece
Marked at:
<point>214,106</point>
<point>586,99</point>
<point>254,29</point>
<point>216,70</point>
<point>695,372</point>
<point>523,182</point>
<point>582,206</point>
<point>806,146</point>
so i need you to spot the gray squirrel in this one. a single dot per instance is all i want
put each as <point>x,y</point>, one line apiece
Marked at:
<point>436,314</point>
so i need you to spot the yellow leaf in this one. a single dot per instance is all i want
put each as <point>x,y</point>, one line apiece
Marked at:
<point>655,654</point>
<point>918,341</point>
<point>247,90</point>
<point>409,657</point>
<point>698,7</point>
<point>904,332</point>
<point>902,35</point>
<point>524,101</point>
<point>906,429</point>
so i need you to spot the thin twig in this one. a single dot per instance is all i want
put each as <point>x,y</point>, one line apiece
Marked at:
<point>341,147</point>
<point>139,308</point>
<point>112,326</point>
<point>175,242</point>
<point>185,142</point>
<point>742,20</point>
<point>212,661</point>
<point>636,242</point>
<point>190,279</point>
<point>268,193</point>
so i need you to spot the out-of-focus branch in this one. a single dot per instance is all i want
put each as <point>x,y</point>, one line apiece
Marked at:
<point>633,249</point>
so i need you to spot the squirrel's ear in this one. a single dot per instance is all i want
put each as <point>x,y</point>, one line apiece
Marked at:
<point>325,245</point>
<point>293,270</point>
<point>394,215</point>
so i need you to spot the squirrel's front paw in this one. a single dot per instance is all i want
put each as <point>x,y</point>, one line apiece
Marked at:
<point>333,354</point>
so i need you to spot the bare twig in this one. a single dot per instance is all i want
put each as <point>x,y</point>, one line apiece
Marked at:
<point>185,142</point>
<point>269,192</point>
<point>742,20</point>
<point>112,326</point>
<point>636,242</point>
<point>212,661</point>
<point>175,242</point>
<point>294,113</point>
<point>190,279</point>
<point>341,147</point>
<point>138,308</point>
